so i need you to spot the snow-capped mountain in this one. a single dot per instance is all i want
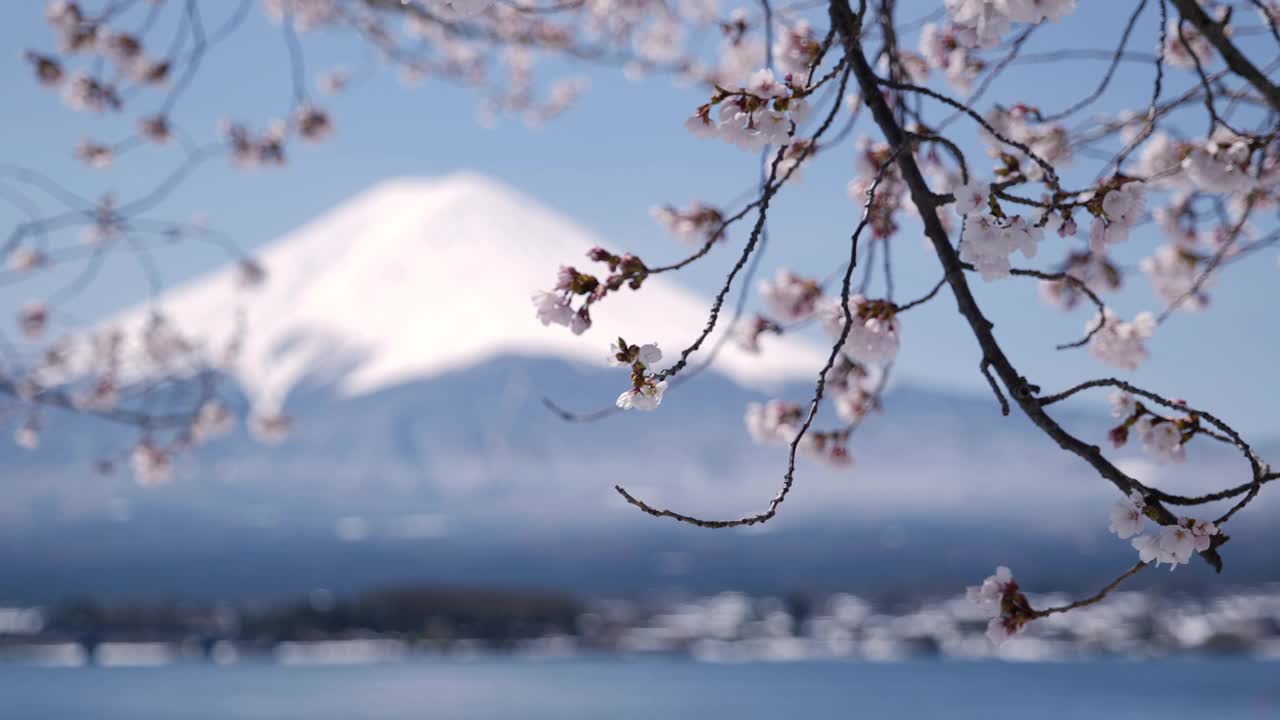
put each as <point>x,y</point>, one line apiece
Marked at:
<point>398,330</point>
<point>414,278</point>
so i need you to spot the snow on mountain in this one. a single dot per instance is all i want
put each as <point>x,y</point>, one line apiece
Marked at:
<point>418,277</point>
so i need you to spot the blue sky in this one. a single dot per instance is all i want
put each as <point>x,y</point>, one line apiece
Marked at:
<point>619,151</point>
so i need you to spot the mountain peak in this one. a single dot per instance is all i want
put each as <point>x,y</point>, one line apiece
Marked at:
<point>416,277</point>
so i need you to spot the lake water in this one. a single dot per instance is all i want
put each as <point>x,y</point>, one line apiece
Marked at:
<point>649,688</point>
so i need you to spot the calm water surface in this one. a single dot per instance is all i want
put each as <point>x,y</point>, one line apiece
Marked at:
<point>625,689</point>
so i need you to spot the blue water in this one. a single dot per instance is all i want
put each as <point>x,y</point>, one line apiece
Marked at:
<point>626,689</point>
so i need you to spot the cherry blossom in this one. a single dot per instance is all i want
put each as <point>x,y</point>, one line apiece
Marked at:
<point>971,197</point>
<point>94,155</point>
<point>789,297</point>
<point>1219,165</point>
<point>460,9</point>
<point>874,336</point>
<point>762,113</point>
<point>1123,405</point>
<point>989,242</point>
<point>646,397</point>
<point>1186,54</point>
<point>27,436</point>
<point>156,129</point>
<point>1176,277</point>
<point>999,595</point>
<point>101,395</point>
<point>941,49</point>
<point>1149,550</point>
<point>1127,515</point>
<point>23,259</point>
<point>644,356</point>
<point>837,455</point>
<point>1122,209</point>
<point>989,594</point>
<point>313,123</point>
<point>979,23</point>
<point>773,423</point>
<point>552,308</point>
<point>795,48</point>
<point>1176,543</point>
<point>1000,629</point>
<point>746,333</point>
<point>1161,439</point>
<point>85,93</point>
<point>48,70</point>
<point>151,464</point>
<point>698,223</point>
<point>1050,141</point>
<point>213,420</point>
<point>1118,343</point>
<point>1202,532</point>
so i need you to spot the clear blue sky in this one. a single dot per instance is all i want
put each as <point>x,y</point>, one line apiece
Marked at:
<point>619,151</point>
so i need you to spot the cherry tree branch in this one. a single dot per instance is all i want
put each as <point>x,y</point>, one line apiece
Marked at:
<point>1191,11</point>
<point>926,203</point>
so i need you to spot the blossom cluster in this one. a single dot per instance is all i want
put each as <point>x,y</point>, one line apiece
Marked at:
<point>553,307</point>
<point>1162,438</point>
<point>989,239</point>
<point>796,48</point>
<point>698,223</point>
<point>1224,164</point>
<point>853,389</point>
<point>646,389</point>
<point>1021,123</point>
<point>981,23</point>
<point>940,49</point>
<point>790,298</point>
<point>78,34</point>
<point>871,162</point>
<point>874,335</point>
<point>765,112</point>
<point>1173,544</point>
<point>1117,208</point>
<point>1118,343</point>
<point>999,595</point>
<point>747,332</point>
<point>778,422</point>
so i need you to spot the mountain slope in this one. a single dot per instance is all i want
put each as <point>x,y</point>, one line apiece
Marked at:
<point>414,278</point>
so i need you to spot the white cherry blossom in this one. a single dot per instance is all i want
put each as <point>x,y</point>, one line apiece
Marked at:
<point>552,308</point>
<point>972,196</point>
<point>1126,515</point>
<point>1121,344</point>
<point>1161,439</point>
<point>773,423</point>
<point>1177,543</point>
<point>647,397</point>
<point>789,297</point>
<point>1122,404</point>
<point>991,592</point>
<point>152,465</point>
<point>873,338</point>
<point>988,243</point>
<point>1175,275</point>
<point>1123,208</point>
